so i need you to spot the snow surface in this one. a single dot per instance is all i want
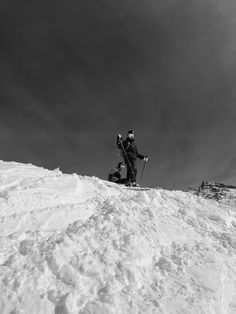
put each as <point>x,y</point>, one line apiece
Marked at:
<point>73,244</point>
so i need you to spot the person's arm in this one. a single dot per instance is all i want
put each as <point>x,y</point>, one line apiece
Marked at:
<point>140,156</point>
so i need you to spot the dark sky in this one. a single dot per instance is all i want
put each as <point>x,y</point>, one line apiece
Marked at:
<point>75,73</point>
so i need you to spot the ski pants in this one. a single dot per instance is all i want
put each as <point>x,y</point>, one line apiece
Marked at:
<point>131,165</point>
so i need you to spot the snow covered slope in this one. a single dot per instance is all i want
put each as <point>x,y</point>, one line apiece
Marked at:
<point>74,245</point>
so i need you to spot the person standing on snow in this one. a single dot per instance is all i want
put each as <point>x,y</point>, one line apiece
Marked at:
<point>130,154</point>
<point>115,174</point>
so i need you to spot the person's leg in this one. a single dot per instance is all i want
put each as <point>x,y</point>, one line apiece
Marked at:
<point>129,174</point>
<point>113,178</point>
<point>133,163</point>
<point>129,171</point>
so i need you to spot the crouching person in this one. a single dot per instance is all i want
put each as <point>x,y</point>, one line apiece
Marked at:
<point>115,174</point>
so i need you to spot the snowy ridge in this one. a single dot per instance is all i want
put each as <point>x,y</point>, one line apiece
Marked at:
<point>218,191</point>
<point>74,245</point>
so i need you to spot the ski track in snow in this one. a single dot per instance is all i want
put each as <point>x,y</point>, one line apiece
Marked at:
<point>76,245</point>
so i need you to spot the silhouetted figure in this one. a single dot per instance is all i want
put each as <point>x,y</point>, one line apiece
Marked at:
<point>130,154</point>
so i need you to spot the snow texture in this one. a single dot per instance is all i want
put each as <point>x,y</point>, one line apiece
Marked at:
<point>76,245</point>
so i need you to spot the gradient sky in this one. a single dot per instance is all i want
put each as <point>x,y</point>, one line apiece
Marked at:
<point>75,73</point>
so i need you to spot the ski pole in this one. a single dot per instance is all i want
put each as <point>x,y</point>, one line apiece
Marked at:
<point>126,157</point>
<point>142,172</point>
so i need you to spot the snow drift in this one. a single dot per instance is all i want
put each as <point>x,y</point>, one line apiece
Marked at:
<point>73,244</point>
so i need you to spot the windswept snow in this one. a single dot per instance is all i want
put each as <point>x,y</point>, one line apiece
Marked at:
<point>76,245</point>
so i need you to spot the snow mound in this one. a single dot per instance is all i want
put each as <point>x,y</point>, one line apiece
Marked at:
<point>76,245</point>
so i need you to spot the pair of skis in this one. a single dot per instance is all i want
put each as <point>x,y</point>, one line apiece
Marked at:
<point>137,188</point>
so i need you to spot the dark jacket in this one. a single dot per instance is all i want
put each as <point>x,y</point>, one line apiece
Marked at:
<point>114,175</point>
<point>130,148</point>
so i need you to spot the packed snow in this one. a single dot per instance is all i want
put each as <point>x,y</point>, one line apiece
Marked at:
<point>78,245</point>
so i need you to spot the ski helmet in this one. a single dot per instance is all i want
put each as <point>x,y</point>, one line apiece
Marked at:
<point>131,132</point>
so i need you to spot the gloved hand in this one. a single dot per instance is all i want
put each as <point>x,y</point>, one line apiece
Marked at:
<point>119,139</point>
<point>146,158</point>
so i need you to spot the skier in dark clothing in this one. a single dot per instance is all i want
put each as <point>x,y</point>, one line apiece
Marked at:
<point>130,154</point>
<point>115,174</point>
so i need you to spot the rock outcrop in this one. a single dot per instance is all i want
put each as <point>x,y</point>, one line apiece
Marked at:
<point>217,191</point>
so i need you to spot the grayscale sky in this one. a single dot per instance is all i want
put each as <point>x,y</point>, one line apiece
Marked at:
<point>73,74</point>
